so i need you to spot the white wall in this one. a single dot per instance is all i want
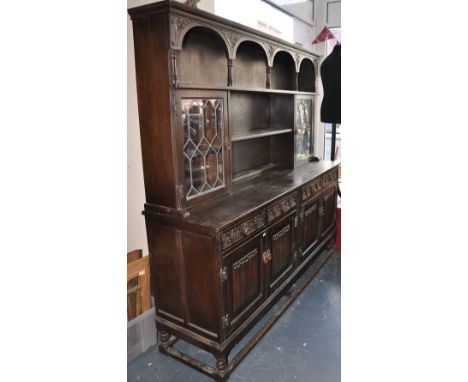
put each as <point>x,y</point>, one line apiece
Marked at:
<point>136,232</point>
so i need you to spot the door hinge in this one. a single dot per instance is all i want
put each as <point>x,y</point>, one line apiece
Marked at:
<point>226,322</point>
<point>295,221</point>
<point>295,256</point>
<point>223,275</point>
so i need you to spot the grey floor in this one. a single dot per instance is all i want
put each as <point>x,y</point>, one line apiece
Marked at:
<point>303,345</point>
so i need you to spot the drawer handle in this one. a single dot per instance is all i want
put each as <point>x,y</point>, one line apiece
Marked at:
<point>266,256</point>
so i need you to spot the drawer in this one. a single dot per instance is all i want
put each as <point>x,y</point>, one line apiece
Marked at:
<point>282,207</point>
<point>311,189</point>
<point>243,230</point>
<point>330,177</point>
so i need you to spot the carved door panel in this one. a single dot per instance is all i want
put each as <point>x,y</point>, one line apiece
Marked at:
<point>328,211</point>
<point>244,282</point>
<point>280,255</point>
<point>311,221</point>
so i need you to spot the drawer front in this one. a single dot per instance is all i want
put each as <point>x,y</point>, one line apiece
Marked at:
<point>330,177</point>
<point>311,189</point>
<point>283,207</point>
<point>243,230</point>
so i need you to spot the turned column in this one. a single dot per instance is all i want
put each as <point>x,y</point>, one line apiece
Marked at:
<point>268,77</point>
<point>221,363</point>
<point>164,339</point>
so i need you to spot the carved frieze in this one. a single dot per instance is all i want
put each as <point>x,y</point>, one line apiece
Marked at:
<point>282,207</point>
<point>330,177</point>
<point>243,230</point>
<point>251,255</point>
<point>281,233</point>
<point>311,189</point>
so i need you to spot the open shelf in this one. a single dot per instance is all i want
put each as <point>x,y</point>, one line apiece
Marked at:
<point>239,89</point>
<point>203,58</point>
<point>258,134</point>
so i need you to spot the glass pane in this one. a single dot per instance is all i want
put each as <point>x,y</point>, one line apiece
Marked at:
<point>303,128</point>
<point>202,121</point>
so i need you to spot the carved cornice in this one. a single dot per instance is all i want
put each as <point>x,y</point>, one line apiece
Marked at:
<point>243,230</point>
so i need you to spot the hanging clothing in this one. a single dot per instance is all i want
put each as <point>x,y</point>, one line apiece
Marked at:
<point>330,71</point>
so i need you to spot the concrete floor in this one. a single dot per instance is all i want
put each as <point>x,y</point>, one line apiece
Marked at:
<point>304,345</point>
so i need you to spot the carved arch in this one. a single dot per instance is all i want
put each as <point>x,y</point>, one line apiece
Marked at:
<point>244,39</point>
<point>302,59</point>
<point>180,26</point>
<point>277,50</point>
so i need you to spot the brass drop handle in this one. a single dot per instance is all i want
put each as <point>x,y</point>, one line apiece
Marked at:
<point>266,256</point>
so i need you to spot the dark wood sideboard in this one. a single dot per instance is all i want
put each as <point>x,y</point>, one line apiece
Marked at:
<point>235,212</point>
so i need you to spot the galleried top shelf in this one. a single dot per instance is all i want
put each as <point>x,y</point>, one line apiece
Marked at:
<point>210,51</point>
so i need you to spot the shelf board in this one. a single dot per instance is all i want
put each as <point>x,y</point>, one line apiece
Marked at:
<point>253,172</point>
<point>236,89</point>
<point>258,134</point>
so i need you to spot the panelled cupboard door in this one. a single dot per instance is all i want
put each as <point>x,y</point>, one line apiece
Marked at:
<point>244,278</point>
<point>202,145</point>
<point>280,251</point>
<point>328,211</point>
<point>311,221</point>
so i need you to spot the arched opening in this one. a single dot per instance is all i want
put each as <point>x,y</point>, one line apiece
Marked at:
<point>283,73</point>
<point>203,58</point>
<point>249,66</point>
<point>307,76</point>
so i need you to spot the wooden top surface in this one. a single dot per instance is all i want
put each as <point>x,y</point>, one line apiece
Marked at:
<point>253,193</point>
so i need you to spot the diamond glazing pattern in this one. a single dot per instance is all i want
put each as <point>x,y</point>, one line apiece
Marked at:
<point>202,121</point>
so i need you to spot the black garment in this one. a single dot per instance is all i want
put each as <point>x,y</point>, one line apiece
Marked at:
<point>330,71</point>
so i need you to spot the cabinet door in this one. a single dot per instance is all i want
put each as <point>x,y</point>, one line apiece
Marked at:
<point>203,145</point>
<point>311,221</point>
<point>303,129</point>
<point>244,289</point>
<point>280,252</point>
<point>328,211</point>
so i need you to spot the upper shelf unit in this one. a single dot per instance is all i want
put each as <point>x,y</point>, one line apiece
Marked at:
<point>210,58</point>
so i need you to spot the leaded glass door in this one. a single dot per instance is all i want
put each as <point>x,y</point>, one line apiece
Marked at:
<point>203,139</point>
<point>303,131</point>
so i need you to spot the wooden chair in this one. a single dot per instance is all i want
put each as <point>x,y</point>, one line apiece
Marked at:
<point>138,284</point>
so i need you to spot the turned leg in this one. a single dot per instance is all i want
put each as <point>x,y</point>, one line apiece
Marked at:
<point>221,363</point>
<point>164,339</point>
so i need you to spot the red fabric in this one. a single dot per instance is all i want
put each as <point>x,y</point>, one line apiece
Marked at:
<point>325,34</point>
<point>338,230</point>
